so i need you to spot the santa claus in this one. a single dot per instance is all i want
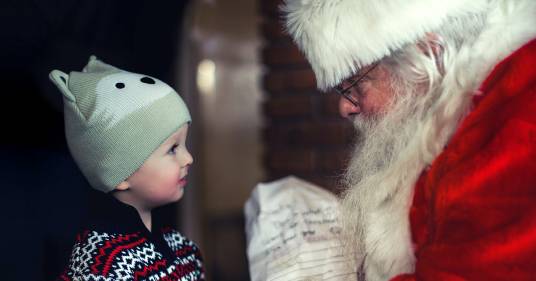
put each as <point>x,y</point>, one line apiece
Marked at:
<point>442,182</point>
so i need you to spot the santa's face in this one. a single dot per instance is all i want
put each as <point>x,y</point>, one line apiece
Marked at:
<point>387,117</point>
<point>373,95</point>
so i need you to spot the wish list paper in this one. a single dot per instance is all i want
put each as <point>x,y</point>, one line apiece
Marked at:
<point>293,232</point>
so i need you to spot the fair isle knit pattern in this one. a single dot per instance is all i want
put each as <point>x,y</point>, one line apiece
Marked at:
<point>98,256</point>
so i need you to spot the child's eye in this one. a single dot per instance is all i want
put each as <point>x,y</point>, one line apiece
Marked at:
<point>173,149</point>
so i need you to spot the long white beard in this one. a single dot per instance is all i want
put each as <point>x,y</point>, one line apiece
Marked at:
<point>381,175</point>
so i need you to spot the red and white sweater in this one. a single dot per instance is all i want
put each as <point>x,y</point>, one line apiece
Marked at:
<point>117,246</point>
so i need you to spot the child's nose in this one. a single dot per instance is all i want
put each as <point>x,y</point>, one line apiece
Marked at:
<point>187,158</point>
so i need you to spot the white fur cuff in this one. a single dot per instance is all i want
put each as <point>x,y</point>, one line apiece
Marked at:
<point>340,36</point>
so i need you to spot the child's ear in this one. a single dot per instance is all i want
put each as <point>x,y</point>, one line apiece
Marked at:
<point>61,80</point>
<point>96,65</point>
<point>124,185</point>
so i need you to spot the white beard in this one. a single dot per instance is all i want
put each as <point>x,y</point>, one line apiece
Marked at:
<point>381,175</point>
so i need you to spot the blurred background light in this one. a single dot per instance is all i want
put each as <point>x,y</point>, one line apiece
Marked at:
<point>206,73</point>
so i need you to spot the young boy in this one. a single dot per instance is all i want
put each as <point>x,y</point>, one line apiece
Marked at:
<point>127,133</point>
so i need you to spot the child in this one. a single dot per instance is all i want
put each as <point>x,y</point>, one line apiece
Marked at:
<point>127,134</point>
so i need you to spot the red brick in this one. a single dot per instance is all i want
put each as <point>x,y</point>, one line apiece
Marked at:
<point>291,160</point>
<point>305,136</point>
<point>270,7</point>
<point>310,133</point>
<point>329,104</point>
<point>289,106</point>
<point>335,160</point>
<point>285,80</point>
<point>275,55</point>
<point>273,30</point>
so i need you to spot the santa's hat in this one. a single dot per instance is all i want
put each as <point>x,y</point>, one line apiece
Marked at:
<point>338,37</point>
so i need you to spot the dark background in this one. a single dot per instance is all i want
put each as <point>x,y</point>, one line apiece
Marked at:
<point>43,193</point>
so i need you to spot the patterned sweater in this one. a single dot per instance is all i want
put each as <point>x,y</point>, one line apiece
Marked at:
<point>118,246</point>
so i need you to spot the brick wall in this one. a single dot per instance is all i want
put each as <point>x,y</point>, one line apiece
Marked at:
<point>304,134</point>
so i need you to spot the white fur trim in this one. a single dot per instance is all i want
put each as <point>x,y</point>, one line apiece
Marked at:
<point>340,36</point>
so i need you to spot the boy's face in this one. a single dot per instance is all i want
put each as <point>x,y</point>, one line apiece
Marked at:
<point>162,177</point>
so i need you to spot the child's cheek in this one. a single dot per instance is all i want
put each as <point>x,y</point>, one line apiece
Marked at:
<point>172,179</point>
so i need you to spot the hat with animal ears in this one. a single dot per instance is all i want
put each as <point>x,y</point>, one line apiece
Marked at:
<point>115,119</point>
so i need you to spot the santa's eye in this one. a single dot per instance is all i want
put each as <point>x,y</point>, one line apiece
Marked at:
<point>119,85</point>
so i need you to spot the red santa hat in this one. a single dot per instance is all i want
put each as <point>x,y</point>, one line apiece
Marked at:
<point>338,37</point>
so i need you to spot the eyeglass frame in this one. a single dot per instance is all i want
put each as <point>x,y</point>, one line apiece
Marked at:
<point>345,92</point>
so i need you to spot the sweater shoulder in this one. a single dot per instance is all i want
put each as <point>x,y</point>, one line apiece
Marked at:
<point>177,240</point>
<point>104,255</point>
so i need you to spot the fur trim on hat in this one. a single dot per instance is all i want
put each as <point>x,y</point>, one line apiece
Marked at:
<point>339,37</point>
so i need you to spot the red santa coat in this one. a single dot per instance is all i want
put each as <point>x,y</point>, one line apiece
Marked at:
<point>474,211</point>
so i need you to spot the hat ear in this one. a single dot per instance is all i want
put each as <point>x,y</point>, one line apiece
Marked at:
<point>60,79</point>
<point>96,65</point>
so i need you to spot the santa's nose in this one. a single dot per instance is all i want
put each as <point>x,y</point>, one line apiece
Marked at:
<point>347,109</point>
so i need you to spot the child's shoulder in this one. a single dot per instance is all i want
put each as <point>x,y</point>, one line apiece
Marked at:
<point>99,254</point>
<point>177,240</point>
<point>94,244</point>
<point>94,250</point>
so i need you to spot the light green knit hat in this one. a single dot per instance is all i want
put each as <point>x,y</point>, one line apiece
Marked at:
<point>115,119</point>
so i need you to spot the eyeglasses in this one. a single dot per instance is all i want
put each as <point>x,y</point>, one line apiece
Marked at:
<point>345,92</point>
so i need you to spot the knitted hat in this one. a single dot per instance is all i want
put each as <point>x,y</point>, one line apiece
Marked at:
<point>339,37</point>
<point>115,119</point>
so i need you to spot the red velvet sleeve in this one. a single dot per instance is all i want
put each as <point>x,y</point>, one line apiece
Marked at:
<point>476,206</point>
